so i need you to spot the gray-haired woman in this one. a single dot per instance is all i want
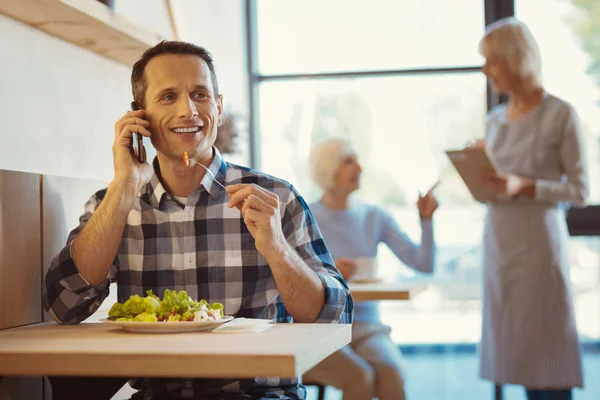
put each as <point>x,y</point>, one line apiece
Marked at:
<point>529,335</point>
<point>371,365</point>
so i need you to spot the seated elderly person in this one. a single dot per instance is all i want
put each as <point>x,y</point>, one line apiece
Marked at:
<point>371,365</point>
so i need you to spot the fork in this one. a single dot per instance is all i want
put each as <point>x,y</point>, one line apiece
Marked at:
<point>194,162</point>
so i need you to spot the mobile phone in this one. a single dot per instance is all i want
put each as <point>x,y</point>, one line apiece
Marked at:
<point>137,142</point>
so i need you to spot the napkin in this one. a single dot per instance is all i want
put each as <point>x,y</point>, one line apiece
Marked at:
<point>244,325</point>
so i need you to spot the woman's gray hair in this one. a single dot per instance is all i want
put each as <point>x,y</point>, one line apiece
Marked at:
<point>512,41</point>
<point>325,159</point>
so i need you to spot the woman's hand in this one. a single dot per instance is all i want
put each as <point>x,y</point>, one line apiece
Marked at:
<point>427,205</point>
<point>510,185</point>
<point>477,144</point>
<point>347,267</point>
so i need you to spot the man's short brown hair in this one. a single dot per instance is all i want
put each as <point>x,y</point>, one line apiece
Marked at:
<point>138,77</point>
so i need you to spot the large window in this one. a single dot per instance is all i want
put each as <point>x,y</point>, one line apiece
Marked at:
<point>402,81</point>
<point>400,127</point>
<point>314,36</point>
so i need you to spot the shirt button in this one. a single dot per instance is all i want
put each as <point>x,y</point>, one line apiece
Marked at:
<point>188,384</point>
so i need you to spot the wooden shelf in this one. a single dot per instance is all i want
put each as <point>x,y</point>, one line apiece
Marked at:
<point>86,23</point>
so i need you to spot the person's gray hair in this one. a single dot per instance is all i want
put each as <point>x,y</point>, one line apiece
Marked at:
<point>325,159</point>
<point>512,41</point>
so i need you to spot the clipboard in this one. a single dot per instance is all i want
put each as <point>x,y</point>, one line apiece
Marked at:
<point>469,163</point>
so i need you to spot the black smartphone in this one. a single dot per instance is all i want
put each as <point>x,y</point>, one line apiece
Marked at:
<point>137,142</point>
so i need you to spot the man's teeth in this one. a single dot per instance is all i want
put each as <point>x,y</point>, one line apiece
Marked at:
<point>186,130</point>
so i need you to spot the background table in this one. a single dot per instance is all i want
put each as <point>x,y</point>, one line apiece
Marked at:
<point>386,290</point>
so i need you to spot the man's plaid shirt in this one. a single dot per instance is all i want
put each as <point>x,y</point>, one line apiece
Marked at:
<point>202,247</point>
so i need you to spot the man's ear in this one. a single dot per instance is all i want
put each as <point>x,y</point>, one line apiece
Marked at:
<point>220,108</point>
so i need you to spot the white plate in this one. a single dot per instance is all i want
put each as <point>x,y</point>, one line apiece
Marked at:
<point>366,280</point>
<point>168,327</point>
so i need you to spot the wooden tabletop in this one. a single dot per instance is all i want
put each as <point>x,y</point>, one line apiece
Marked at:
<point>386,290</point>
<point>97,349</point>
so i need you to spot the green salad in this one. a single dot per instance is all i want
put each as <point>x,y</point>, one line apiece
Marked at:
<point>175,306</point>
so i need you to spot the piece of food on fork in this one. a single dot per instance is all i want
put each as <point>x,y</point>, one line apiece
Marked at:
<point>191,161</point>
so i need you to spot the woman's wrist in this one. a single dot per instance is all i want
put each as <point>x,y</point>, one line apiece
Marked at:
<point>528,188</point>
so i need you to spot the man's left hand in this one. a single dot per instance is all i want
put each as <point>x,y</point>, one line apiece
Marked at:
<point>260,209</point>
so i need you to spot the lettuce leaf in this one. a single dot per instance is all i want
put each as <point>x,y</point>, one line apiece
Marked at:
<point>217,306</point>
<point>145,317</point>
<point>174,306</point>
<point>116,311</point>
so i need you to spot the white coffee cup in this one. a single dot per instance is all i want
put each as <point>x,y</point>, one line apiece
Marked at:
<point>366,268</point>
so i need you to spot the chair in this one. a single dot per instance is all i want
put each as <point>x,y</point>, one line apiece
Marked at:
<point>322,388</point>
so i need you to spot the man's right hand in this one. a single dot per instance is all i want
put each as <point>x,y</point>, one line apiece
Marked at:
<point>128,170</point>
<point>347,268</point>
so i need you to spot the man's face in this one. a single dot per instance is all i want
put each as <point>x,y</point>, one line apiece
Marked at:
<point>181,105</point>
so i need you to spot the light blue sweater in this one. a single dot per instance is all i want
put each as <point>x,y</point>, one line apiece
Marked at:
<point>356,232</point>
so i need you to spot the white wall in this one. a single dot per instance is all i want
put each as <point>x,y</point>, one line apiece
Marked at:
<point>151,14</point>
<point>220,27</point>
<point>59,102</point>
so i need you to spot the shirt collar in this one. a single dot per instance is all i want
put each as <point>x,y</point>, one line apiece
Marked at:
<point>154,192</point>
<point>218,167</point>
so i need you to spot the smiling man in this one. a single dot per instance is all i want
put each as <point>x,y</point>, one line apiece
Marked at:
<point>254,247</point>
